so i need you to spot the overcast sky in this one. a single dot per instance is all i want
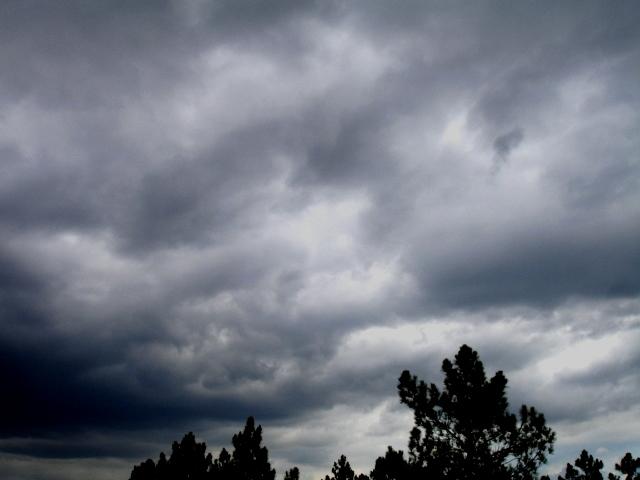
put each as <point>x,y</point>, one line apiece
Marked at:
<point>210,210</point>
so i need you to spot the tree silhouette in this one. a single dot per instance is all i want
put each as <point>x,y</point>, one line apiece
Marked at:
<point>250,460</point>
<point>293,474</point>
<point>465,430</point>
<point>629,467</point>
<point>586,468</point>
<point>189,460</point>
<point>145,471</point>
<point>393,466</point>
<point>223,467</point>
<point>342,470</point>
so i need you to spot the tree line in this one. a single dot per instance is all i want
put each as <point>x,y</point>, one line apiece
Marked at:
<point>463,431</point>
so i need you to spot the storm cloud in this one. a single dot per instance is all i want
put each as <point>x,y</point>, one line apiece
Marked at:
<point>210,210</point>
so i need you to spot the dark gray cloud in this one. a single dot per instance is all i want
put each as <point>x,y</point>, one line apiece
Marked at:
<point>505,143</point>
<point>216,209</point>
<point>538,268</point>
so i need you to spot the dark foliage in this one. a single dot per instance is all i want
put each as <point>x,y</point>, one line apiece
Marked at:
<point>250,461</point>
<point>587,467</point>
<point>629,467</point>
<point>189,460</point>
<point>342,470</point>
<point>293,474</point>
<point>466,432</point>
<point>393,466</point>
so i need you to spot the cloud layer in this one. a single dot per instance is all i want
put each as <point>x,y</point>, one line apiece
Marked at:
<point>210,210</point>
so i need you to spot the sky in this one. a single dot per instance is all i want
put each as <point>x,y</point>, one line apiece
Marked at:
<point>210,210</point>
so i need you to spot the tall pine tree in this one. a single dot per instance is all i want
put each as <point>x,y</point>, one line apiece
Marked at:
<point>466,432</point>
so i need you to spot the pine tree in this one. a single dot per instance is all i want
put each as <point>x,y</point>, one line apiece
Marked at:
<point>586,468</point>
<point>629,467</point>
<point>466,432</point>
<point>250,460</point>
<point>393,466</point>
<point>189,460</point>
<point>341,470</point>
<point>293,474</point>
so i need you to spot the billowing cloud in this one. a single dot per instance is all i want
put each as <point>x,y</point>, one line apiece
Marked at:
<point>210,210</point>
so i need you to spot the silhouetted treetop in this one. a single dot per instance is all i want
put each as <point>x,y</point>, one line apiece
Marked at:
<point>629,467</point>
<point>393,466</point>
<point>341,470</point>
<point>250,459</point>
<point>466,432</point>
<point>586,468</point>
<point>293,474</point>
<point>189,460</point>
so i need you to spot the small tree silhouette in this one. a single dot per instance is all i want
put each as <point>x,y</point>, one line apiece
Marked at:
<point>250,460</point>
<point>293,474</point>
<point>393,466</point>
<point>586,468</point>
<point>628,466</point>
<point>189,460</point>
<point>342,470</point>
